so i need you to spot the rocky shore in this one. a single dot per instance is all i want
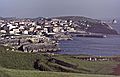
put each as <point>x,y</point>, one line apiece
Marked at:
<point>30,44</point>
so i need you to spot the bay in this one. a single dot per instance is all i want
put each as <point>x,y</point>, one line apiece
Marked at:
<point>93,46</point>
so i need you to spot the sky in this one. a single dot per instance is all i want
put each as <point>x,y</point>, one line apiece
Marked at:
<point>51,8</point>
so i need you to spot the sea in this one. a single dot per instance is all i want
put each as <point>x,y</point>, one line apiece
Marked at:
<point>109,46</point>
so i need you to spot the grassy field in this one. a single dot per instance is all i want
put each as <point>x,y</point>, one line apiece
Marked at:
<point>29,73</point>
<point>17,64</point>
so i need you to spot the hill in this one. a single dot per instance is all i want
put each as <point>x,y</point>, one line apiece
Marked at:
<point>89,24</point>
<point>22,63</point>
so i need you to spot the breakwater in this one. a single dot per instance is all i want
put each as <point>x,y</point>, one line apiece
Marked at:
<point>91,35</point>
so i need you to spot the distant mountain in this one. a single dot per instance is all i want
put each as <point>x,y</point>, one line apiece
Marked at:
<point>89,24</point>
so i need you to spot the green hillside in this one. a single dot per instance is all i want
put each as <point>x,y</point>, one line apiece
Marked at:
<point>18,64</point>
<point>28,73</point>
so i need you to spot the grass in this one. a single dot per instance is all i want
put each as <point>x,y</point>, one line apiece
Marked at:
<point>22,63</point>
<point>16,60</point>
<point>93,67</point>
<point>30,73</point>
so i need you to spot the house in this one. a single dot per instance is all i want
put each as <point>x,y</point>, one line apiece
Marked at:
<point>25,32</point>
<point>11,26</point>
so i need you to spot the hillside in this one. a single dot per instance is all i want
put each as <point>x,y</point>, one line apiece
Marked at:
<point>28,73</point>
<point>89,24</point>
<point>63,63</point>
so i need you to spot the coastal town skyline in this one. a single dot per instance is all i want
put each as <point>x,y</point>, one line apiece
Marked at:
<point>54,38</point>
<point>45,8</point>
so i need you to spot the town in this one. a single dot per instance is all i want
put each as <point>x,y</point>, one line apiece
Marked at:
<point>29,35</point>
<point>43,34</point>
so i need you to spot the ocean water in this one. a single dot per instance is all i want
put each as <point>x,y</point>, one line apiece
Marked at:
<point>93,46</point>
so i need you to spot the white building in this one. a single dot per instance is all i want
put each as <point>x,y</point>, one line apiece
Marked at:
<point>25,32</point>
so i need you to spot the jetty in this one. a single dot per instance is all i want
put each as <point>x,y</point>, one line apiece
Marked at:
<point>91,35</point>
<point>88,35</point>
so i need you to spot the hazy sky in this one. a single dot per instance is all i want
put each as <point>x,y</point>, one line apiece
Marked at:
<point>36,8</point>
